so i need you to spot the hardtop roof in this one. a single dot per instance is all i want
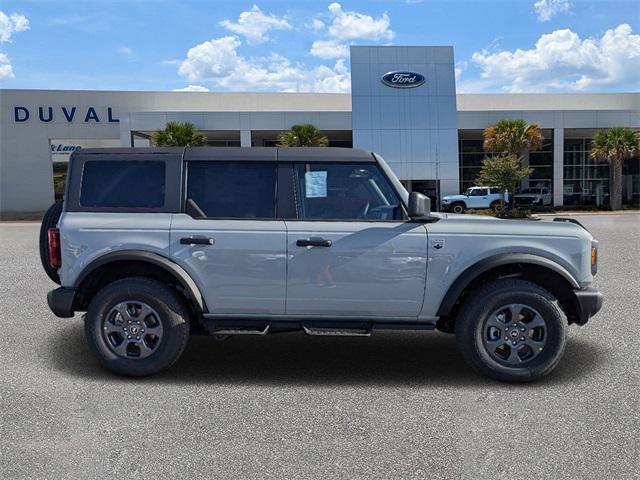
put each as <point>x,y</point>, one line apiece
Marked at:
<point>294,154</point>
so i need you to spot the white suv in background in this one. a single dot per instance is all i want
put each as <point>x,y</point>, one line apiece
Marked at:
<point>534,196</point>
<point>473,197</point>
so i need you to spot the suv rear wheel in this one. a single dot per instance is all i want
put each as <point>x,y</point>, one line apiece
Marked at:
<point>137,326</point>
<point>511,330</point>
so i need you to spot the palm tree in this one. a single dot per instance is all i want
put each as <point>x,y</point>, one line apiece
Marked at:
<point>302,136</point>
<point>615,145</point>
<point>176,134</point>
<point>513,137</point>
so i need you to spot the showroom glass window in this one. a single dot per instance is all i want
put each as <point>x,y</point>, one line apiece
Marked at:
<point>123,184</point>
<point>542,163</point>
<point>233,189</point>
<point>343,191</point>
<point>586,181</point>
<point>471,155</point>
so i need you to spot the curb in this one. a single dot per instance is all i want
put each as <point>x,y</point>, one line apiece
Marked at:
<point>573,213</point>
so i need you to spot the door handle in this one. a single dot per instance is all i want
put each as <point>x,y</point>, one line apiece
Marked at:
<point>196,241</point>
<point>318,242</point>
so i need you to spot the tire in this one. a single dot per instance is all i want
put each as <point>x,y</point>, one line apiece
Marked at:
<point>168,323</point>
<point>495,205</point>
<point>474,330</point>
<point>458,207</point>
<point>50,220</point>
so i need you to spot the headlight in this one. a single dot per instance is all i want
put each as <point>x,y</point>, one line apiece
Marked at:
<point>444,200</point>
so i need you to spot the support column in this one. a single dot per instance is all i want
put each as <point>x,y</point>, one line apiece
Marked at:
<point>126,140</point>
<point>245,138</point>
<point>558,166</point>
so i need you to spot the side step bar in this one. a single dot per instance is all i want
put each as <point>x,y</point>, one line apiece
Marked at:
<point>241,331</point>
<point>365,331</point>
<point>316,328</point>
<point>235,327</point>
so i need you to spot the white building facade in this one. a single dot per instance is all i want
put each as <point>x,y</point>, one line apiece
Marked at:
<point>431,136</point>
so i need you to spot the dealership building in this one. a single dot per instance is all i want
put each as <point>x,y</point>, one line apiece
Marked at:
<point>430,135</point>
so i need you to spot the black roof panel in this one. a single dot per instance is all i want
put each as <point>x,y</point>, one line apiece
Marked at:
<point>323,154</point>
<point>251,154</point>
<point>296,154</point>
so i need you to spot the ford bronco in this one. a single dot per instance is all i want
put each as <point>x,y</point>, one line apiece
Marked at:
<point>155,244</point>
<point>473,197</point>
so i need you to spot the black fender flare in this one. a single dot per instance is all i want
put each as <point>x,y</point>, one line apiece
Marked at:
<point>149,257</point>
<point>486,264</point>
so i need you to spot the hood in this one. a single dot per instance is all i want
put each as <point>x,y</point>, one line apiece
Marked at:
<point>530,227</point>
<point>454,197</point>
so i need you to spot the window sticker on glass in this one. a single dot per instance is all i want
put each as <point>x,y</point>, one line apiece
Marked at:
<point>315,184</point>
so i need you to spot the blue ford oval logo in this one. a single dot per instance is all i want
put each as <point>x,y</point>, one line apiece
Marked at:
<point>403,79</point>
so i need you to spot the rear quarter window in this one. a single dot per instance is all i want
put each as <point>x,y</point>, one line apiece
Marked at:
<point>123,184</point>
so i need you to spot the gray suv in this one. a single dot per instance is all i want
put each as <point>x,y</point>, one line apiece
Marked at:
<point>158,244</point>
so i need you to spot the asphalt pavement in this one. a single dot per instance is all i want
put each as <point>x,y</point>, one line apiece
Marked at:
<point>396,405</point>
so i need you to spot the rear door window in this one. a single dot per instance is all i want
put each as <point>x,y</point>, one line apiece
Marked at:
<point>233,189</point>
<point>123,184</point>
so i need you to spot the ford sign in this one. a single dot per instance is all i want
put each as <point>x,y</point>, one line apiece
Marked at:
<point>403,79</point>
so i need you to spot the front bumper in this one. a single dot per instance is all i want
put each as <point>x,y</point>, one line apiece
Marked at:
<point>61,301</point>
<point>589,303</point>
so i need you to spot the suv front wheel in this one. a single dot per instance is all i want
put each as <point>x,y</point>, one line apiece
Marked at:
<point>137,326</point>
<point>458,207</point>
<point>511,330</point>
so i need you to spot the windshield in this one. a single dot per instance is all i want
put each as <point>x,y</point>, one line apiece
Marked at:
<point>531,190</point>
<point>475,192</point>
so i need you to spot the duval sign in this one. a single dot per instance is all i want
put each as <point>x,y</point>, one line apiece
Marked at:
<point>401,79</point>
<point>47,114</point>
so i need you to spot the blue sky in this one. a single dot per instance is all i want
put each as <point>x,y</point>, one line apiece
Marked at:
<point>500,46</point>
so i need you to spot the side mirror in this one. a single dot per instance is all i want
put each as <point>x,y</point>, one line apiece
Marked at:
<point>419,205</point>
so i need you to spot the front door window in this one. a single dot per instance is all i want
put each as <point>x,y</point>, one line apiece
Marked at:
<point>342,191</point>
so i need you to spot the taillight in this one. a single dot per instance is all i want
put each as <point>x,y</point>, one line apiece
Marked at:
<point>594,258</point>
<point>55,259</point>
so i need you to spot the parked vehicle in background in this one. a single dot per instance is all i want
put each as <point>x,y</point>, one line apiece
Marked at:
<point>473,197</point>
<point>534,196</point>
<point>156,244</point>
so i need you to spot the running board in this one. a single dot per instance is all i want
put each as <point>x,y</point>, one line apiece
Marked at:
<point>241,331</point>
<point>337,331</point>
<point>237,328</point>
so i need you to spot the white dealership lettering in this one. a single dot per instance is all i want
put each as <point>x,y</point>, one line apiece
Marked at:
<point>403,78</point>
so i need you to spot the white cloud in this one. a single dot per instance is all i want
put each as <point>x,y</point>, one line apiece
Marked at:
<point>317,25</point>
<point>10,24</point>
<point>254,25</point>
<point>192,88</point>
<point>561,60</point>
<point>329,49</point>
<point>210,59</point>
<point>218,61</point>
<point>6,70</point>
<point>347,25</point>
<point>125,51</point>
<point>547,9</point>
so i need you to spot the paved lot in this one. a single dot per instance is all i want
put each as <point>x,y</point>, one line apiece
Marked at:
<point>398,405</point>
